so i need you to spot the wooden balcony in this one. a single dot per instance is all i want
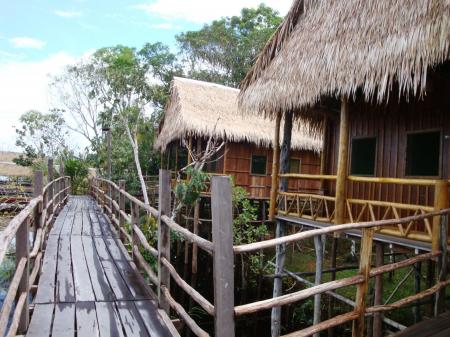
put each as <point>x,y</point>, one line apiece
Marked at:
<point>367,199</point>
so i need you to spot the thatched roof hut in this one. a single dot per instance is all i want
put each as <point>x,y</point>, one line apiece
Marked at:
<point>204,109</point>
<point>333,48</point>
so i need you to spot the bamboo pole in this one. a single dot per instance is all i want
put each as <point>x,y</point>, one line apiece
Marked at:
<point>362,288</point>
<point>275,168</point>
<point>163,237</point>
<point>378,298</point>
<point>440,202</point>
<point>323,154</point>
<point>342,164</point>
<point>319,247</point>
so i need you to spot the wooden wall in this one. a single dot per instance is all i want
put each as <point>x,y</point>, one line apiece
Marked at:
<point>238,164</point>
<point>390,123</point>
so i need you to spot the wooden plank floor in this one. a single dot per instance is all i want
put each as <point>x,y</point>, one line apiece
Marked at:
<point>436,327</point>
<point>88,285</point>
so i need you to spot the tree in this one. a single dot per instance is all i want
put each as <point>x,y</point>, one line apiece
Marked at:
<point>77,97</point>
<point>40,135</point>
<point>223,51</point>
<point>131,84</point>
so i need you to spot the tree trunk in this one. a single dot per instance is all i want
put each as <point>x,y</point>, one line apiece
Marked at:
<point>319,246</point>
<point>281,226</point>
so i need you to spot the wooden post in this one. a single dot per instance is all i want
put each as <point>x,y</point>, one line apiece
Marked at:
<point>134,222</point>
<point>225,158</point>
<point>417,281</point>
<point>341,177</point>
<point>194,245</point>
<point>223,257</point>
<point>361,290</point>
<point>323,154</point>
<point>275,169</point>
<point>333,254</point>
<point>23,251</point>
<point>163,237</point>
<point>281,226</point>
<point>442,266</point>
<point>38,189</point>
<point>440,202</point>
<point>319,246</point>
<point>50,191</point>
<point>122,208</point>
<point>378,296</point>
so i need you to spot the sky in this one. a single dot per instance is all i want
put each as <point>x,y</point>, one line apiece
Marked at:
<point>38,38</point>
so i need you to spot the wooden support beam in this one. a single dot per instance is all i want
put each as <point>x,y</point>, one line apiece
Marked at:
<point>323,153</point>
<point>378,296</point>
<point>362,288</point>
<point>122,209</point>
<point>222,216</point>
<point>275,169</point>
<point>50,190</point>
<point>440,202</point>
<point>442,266</point>
<point>164,237</point>
<point>341,178</point>
<point>225,158</point>
<point>37,191</point>
<point>194,245</point>
<point>333,255</point>
<point>417,281</point>
<point>23,251</point>
<point>319,247</point>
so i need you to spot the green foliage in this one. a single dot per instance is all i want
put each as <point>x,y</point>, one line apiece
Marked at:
<point>40,135</point>
<point>188,191</point>
<point>77,169</point>
<point>223,51</point>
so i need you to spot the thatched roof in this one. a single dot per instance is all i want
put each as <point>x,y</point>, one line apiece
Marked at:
<point>334,47</point>
<point>9,168</point>
<point>204,109</point>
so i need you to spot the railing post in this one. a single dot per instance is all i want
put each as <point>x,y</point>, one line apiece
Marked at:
<point>50,191</point>
<point>164,236</point>
<point>134,221</point>
<point>441,270</point>
<point>361,291</point>
<point>223,256</point>
<point>23,251</point>
<point>122,209</point>
<point>62,184</point>
<point>37,191</point>
<point>440,202</point>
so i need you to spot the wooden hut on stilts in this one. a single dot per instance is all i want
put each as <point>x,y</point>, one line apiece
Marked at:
<point>373,77</point>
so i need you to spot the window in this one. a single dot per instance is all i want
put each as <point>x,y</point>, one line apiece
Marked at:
<point>294,165</point>
<point>363,156</point>
<point>259,165</point>
<point>423,153</point>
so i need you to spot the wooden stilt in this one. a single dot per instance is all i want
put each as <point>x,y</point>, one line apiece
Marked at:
<point>417,281</point>
<point>194,245</point>
<point>378,295</point>
<point>281,226</point>
<point>333,251</point>
<point>341,177</point>
<point>319,246</point>
<point>275,168</point>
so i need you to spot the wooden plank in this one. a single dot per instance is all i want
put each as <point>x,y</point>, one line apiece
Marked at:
<point>87,225</point>
<point>82,281</point>
<point>116,281</point>
<point>100,284</point>
<point>64,321</point>
<point>67,225</point>
<point>222,217</point>
<point>46,288</point>
<point>108,320</point>
<point>153,321</point>
<point>64,284</point>
<point>86,319</point>
<point>96,230</point>
<point>133,280</point>
<point>41,321</point>
<point>77,226</point>
<point>131,320</point>
<point>116,249</point>
<point>105,225</point>
<point>58,224</point>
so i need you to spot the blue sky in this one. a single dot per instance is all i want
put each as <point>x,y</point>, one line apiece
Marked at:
<point>38,38</point>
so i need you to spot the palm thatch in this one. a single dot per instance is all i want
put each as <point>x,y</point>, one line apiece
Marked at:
<point>335,47</point>
<point>204,109</point>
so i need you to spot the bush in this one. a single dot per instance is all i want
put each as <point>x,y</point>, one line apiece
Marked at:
<point>77,169</point>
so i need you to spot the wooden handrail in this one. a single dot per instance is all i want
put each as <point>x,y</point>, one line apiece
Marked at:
<point>308,176</point>
<point>397,181</point>
<point>250,247</point>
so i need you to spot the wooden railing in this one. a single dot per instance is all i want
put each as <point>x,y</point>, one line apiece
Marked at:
<point>112,198</point>
<point>321,207</point>
<point>37,217</point>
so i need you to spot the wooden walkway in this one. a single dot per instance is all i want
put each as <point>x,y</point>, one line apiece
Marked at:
<point>88,285</point>
<point>434,327</point>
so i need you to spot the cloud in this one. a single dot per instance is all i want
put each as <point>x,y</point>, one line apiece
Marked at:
<point>27,42</point>
<point>202,11</point>
<point>67,14</point>
<point>25,86</point>
<point>165,26</point>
